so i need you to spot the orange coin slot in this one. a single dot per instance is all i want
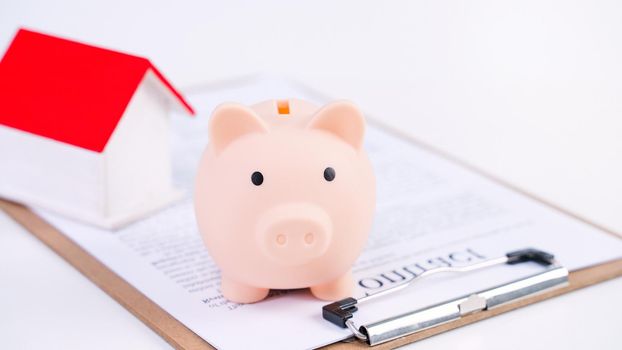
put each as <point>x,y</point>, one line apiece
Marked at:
<point>282,106</point>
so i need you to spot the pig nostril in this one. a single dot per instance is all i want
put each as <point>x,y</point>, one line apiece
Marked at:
<point>309,238</point>
<point>281,239</point>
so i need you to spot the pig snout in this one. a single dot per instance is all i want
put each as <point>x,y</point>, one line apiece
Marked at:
<point>295,233</point>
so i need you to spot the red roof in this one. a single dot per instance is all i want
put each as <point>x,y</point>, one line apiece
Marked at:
<point>68,91</point>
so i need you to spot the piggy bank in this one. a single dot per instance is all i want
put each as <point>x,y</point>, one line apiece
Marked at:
<point>284,197</point>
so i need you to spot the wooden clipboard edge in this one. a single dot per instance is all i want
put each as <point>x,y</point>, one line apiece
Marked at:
<point>150,313</point>
<point>181,337</point>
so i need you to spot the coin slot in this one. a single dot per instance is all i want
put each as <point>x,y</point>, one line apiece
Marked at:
<point>282,106</point>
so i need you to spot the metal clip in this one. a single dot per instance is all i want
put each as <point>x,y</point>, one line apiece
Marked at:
<point>341,312</point>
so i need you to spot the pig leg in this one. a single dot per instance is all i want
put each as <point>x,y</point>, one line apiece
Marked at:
<point>241,293</point>
<point>336,289</point>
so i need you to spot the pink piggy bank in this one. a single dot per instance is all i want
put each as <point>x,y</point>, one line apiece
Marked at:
<point>284,197</point>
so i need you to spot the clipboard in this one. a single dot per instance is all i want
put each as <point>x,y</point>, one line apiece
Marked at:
<point>181,337</point>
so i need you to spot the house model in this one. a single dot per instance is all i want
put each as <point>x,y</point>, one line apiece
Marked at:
<point>84,131</point>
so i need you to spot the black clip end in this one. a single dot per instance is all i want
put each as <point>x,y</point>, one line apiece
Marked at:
<point>530,254</point>
<point>340,311</point>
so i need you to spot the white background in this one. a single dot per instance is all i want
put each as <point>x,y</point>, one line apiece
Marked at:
<point>530,91</point>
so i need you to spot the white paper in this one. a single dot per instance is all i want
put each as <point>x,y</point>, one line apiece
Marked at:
<point>430,212</point>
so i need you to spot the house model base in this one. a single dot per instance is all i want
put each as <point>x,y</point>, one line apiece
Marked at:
<point>151,206</point>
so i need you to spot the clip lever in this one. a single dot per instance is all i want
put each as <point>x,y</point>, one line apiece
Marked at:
<point>340,311</point>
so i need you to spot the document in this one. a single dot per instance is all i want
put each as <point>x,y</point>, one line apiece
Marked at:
<point>430,212</point>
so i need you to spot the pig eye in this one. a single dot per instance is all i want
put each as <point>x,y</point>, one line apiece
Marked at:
<point>329,174</point>
<point>257,178</point>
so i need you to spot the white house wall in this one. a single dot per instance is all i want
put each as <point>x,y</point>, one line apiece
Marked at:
<point>138,157</point>
<point>42,172</point>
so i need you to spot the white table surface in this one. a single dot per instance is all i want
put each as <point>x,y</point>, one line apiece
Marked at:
<point>530,91</point>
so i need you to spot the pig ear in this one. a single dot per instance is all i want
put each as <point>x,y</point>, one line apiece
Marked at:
<point>230,121</point>
<point>342,119</point>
